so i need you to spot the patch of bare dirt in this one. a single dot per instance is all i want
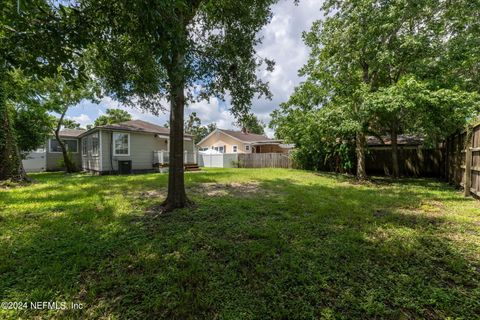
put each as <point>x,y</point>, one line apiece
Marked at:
<point>152,194</point>
<point>223,189</point>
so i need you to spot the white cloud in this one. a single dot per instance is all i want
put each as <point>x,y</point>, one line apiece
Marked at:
<point>282,42</point>
<point>83,119</point>
<point>212,111</point>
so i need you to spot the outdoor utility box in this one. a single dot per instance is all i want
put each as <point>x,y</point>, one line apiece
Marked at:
<point>124,166</point>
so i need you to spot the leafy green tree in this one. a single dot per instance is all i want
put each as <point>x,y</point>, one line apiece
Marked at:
<point>30,122</point>
<point>113,116</point>
<point>61,95</point>
<point>70,124</point>
<point>250,123</point>
<point>322,137</point>
<point>411,106</point>
<point>194,127</point>
<point>359,55</point>
<point>184,51</point>
<point>211,127</point>
<point>21,32</point>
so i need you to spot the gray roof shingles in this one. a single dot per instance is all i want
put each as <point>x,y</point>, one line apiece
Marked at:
<point>402,139</point>
<point>137,126</point>
<point>71,133</point>
<point>247,137</point>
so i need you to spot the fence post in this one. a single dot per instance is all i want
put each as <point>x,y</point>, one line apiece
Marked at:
<point>161,156</point>
<point>185,156</point>
<point>194,156</point>
<point>468,162</point>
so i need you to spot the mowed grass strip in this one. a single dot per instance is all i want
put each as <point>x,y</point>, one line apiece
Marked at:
<point>259,244</point>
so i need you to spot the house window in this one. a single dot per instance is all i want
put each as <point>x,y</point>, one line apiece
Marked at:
<point>121,144</point>
<point>247,148</point>
<point>203,149</point>
<point>95,144</point>
<point>220,149</point>
<point>84,146</point>
<point>235,149</point>
<point>70,144</point>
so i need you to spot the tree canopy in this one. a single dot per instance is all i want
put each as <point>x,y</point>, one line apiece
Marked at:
<point>59,32</point>
<point>70,124</point>
<point>193,126</point>
<point>112,116</point>
<point>250,123</point>
<point>383,68</point>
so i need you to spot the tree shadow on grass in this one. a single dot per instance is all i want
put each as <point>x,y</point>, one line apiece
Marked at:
<point>285,251</point>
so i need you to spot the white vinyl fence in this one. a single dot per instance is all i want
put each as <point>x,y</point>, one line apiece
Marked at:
<point>35,161</point>
<point>224,160</point>
<point>245,160</point>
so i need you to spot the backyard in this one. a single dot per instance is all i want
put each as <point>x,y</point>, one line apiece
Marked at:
<point>259,243</point>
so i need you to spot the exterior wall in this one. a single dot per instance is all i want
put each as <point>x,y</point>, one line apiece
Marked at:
<point>90,162</point>
<point>142,146</point>
<point>219,139</point>
<point>53,158</point>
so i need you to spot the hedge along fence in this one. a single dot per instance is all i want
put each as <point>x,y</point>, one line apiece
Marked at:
<point>463,160</point>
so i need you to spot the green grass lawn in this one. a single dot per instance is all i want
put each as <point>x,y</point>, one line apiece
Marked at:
<point>259,244</point>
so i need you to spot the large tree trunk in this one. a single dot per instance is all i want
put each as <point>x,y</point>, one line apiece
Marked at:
<point>360,150</point>
<point>11,167</point>
<point>177,197</point>
<point>69,165</point>
<point>394,137</point>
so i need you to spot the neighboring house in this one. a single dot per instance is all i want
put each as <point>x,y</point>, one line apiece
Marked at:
<point>131,146</point>
<point>229,141</point>
<point>403,141</point>
<point>54,156</point>
<point>49,156</point>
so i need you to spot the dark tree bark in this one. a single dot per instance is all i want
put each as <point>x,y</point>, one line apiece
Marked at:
<point>177,197</point>
<point>360,151</point>
<point>394,138</point>
<point>11,167</point>
<point>69,165</point>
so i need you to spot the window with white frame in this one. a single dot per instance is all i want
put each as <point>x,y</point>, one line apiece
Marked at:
<point>70,144</point>
<point>95,143</point>
<point>220,149</point>
<point>85,146</point>
<point>235,148</point>
<point>247,148</point>
<point>121,144</point>
<point>203,149</point>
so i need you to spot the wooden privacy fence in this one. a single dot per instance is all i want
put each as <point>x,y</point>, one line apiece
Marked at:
<point>264,160</point>
<point>413,161</point>
<point>463,160</point>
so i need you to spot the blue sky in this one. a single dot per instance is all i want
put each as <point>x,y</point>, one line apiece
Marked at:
<point>281,42</point>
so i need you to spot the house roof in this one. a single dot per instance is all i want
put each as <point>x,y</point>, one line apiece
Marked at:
<point>402,139</point>
<point>247,137</point>
<point>136,126</point>
<point>73,133</point>
<point>242,136</point>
